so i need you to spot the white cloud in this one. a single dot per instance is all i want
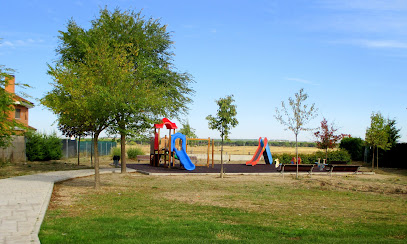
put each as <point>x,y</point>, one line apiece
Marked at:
<point>383,44</point>
<point>21,43</point>
<point>378,17</point>
<point>394,44</point>
<point>301,81</point>
<point>371,5</point>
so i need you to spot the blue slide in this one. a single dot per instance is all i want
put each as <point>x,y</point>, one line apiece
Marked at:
<point>267,154</point>
<point>182,154</point>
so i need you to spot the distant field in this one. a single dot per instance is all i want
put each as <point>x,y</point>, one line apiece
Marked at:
<point>236,150</point>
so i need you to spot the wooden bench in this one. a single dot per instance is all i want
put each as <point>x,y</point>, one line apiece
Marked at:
<point>344,168</point>
<point>293,168</point>
<point>338,162</point>
<point>332,163</point>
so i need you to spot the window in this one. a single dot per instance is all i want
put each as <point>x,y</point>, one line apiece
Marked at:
<point>18,113</point>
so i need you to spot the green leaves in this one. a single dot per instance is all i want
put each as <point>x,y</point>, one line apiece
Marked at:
<point>7,124</point>
<point>377,135</point>
<point>225,118</point>
<point>187,130</point>
<point>117,74</point>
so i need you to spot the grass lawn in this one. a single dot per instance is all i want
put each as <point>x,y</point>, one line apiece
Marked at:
<point>135,208</point>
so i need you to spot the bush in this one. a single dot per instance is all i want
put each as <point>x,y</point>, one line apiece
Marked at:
<point>337,155</point>
<point>42,147</point>
<point>133,152</point>
<point>116,151</point>
<point>354,146</point>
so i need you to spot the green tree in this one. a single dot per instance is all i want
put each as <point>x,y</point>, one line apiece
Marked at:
<point>354,146</point>
<point>223,122</point>
<point>393,132</point>
<point>83,89</point>
<point>118,75</point>
<point>296,116</point>
<point>377,135</point>
<point>187,130</point>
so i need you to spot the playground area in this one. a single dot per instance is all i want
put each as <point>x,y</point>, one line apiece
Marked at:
<point>169,155</point>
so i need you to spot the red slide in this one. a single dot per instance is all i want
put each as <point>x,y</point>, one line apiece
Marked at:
<point>257,154</point>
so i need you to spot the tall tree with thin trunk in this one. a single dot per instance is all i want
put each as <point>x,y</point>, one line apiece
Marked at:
<point>223,122</point>
<point>377,135</point>
<point>296,116</point>
<point>85,90</point>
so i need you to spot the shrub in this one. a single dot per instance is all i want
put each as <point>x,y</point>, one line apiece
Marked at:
<point>133,152</point>
<point>42,147</point>
<point>354,146</point>
<point>116,151</point>
<point>337,155</point>
<point>53,147</point>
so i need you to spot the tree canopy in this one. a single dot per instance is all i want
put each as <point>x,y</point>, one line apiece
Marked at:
<point>187,130</point>
<point>225,118</point>
<point>377,135</point>
<point>117,75</point>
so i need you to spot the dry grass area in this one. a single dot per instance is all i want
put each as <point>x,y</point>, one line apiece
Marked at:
<point>237,150</point>
<point>207,209</point>
<point>389,182</point>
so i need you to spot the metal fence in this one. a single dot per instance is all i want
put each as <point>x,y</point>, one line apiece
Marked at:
<point>70,148</point>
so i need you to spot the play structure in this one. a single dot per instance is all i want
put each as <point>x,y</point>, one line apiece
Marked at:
<point>262,149</point>
<point>167,149</point>
<point>294,161</point>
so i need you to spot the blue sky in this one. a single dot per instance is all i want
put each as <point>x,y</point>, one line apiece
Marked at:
<point>349,56</point>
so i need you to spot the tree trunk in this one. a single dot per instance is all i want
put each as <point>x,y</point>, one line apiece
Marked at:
<point>91,153</point>
<point>377,157</point>
<point>96,151</point>
<point>123,152</point>
<point>296,153</point>
<point>221,159</point>
<point>373,160</point>
<point>326,154</point>
<point>79,147</point>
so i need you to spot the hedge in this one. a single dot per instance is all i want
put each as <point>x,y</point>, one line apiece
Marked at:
<point>337,155</point>
<point>43,147</point>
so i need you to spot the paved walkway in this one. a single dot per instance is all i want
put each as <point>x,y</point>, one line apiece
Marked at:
<point>24,201</point>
